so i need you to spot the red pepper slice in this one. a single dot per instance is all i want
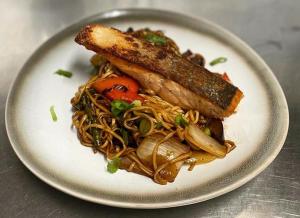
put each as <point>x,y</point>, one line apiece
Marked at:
<point>125,96</point>
<point>101,84</point>
<point>129,94</point>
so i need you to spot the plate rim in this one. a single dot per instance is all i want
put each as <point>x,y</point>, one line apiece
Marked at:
<point>114,13</point>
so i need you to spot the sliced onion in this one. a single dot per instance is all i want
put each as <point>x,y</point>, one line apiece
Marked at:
<point>126,164</point>
<point>167,151</point>
<point>201,157</point>
<point>199,139</point>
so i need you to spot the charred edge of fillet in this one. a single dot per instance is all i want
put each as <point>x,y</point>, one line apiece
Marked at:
<point>216,90</point>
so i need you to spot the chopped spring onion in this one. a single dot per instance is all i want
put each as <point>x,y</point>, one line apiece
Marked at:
<point>118,107</point>
<point>113,165</point>
<point>156,39</point>
<point>136,103</point>
<point>53,114</point>
<point>218,61</point>
<point>144,126</point>
<point>180,121</point>
<point>64,73</point>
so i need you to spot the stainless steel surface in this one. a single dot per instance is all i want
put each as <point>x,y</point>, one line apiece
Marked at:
<point>185,191</point>
<point>271,27</point>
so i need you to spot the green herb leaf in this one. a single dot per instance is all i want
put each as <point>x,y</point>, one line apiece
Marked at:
<point>118,107</point>
<point>181,121</point>
<point>218,61</point>
<point>206,130</point>
<point>113,165</point>
<point>156,39</point>
<point>144,126</point>
<point>53,114</point>
<point>64,73</point>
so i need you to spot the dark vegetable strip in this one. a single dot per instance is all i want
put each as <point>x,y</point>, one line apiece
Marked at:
<point>218,61</point>
<point>96,133</point>
<point>64,73</point>
<point>158,125</point>
<point>124,135</point>
<point>216,129</point>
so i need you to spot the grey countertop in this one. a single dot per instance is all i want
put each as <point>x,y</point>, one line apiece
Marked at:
<point>271,27</point>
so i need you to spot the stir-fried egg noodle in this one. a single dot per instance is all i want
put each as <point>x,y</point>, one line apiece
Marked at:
<point>146,134</point>
<point>159,115</point>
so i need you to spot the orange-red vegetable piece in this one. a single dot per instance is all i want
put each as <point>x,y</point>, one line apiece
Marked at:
<point>125,96</point>
<point>101,84</point>
<point>226,77</point>
<point>109,84</point>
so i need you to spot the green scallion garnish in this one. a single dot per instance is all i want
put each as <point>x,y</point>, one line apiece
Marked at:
<point>64,73</point>
<point>218,61</point>
<point>118,107</point>
<point>156,39</point>
<point>144,126</point>
<point>181,121</point>
<point>53,114</point>
<point>113,165</point>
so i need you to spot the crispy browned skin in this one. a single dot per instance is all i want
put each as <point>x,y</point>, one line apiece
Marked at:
<point>167,89</point>
<point>215,92</point>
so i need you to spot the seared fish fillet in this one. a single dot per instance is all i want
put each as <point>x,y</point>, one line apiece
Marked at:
<point>187,84</point>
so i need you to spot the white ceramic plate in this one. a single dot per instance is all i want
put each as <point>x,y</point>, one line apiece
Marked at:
<point>52,151</point>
